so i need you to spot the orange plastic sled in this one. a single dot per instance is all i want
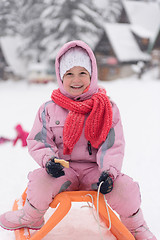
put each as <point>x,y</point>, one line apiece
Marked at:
<point>63,201</point>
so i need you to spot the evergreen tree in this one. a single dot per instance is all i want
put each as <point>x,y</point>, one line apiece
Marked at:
<point>45,25</point>
<point>31,29</point>
<point>9,19</point>
<point>66,20</point>
<point>112,11</point>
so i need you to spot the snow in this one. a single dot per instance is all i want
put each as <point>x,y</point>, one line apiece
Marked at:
<point>101,4</point>
<point>10,47</point>
<point>138,102</point>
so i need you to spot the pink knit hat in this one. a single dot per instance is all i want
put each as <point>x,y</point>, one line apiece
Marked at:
<point>75,56</point>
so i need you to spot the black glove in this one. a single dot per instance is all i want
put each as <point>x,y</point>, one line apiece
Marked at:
<point>107,184</point>
<point>54,169</point>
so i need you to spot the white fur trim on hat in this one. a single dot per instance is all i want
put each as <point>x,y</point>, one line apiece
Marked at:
<point>75,56</point>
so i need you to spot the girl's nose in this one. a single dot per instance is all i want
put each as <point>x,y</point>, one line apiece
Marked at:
<point>76,78</point>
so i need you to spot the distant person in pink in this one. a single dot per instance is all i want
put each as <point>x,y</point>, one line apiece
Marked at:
<point>81,125</point>
<point>21,135</point>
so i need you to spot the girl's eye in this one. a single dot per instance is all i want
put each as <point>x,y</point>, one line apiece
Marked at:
<point>83,72</point>
<point>68,74</point>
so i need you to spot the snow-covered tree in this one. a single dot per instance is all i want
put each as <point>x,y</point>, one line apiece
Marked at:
<point>31,28</point>
<point>9,19</point>
<point>45,25</point>
<point>111,10</point>
<point>66,20</point>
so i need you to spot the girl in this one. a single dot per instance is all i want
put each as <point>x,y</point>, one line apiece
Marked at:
<point>82,126</point>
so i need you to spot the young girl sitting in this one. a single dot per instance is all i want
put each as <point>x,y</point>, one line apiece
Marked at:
<point>82,126</point>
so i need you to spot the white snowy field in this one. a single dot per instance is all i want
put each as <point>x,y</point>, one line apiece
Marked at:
<point>139,104</point>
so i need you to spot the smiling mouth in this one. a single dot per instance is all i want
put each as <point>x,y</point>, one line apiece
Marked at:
<point>76,87</point>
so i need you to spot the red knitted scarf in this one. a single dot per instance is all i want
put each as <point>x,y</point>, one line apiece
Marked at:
<point>98,122</point>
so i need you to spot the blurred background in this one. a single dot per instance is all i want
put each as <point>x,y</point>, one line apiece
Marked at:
<point>124,35</point>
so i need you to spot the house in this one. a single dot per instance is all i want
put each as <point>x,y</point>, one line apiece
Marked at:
<point>129,41</point>
<point>156,43</point>
<point>154,48</point>
<point>143,14</point>
<point>146,15</point>
<point>145,20</point>
<point>117,51</point>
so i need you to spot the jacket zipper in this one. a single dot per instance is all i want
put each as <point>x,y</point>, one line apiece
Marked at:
<point>89,148</point>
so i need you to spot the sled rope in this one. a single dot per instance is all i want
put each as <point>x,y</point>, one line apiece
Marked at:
<point>98,218</point>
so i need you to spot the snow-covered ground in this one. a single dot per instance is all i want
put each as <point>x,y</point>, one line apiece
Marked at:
<point>139,104</point>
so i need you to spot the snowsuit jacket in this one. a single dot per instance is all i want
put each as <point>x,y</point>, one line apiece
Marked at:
<point>46,137</point>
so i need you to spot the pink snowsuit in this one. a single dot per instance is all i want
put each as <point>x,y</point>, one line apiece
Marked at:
<point>86,163</point>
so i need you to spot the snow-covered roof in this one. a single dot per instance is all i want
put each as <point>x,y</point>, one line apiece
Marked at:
<point>124,43</point>
<point>144,14</point>
<point>141,31</point>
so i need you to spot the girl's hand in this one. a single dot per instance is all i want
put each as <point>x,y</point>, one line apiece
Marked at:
<point>107,184</point>
<point>54,169</point>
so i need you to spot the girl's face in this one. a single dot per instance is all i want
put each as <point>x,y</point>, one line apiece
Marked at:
<point>76,80</point>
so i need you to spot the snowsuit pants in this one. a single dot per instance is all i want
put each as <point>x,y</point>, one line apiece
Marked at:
<point>42,188</point>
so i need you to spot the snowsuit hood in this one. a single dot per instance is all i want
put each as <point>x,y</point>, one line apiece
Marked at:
<point>93,88</point>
